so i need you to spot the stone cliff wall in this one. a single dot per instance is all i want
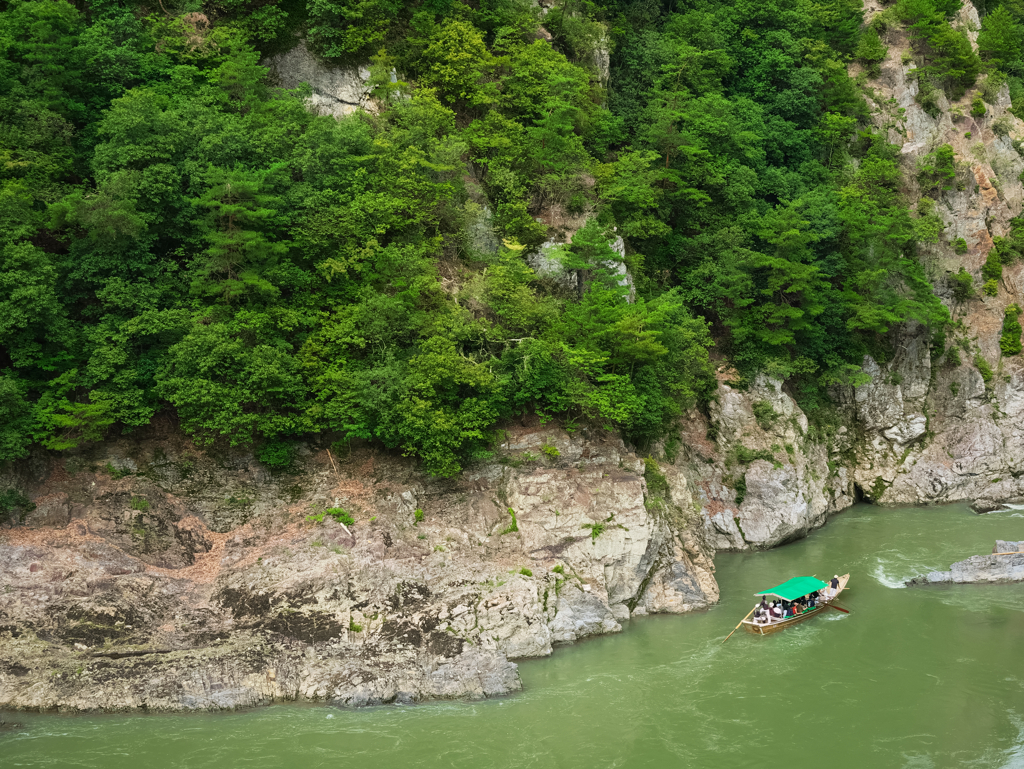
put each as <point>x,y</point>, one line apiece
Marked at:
<point>154,575</point>
<point>935,426</point>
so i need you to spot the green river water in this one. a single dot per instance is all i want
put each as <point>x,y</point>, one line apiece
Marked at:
<point>918,677</point>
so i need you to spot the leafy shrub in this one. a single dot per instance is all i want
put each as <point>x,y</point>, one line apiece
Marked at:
<point>871,51</point>
<point>1001,126</point>
<point>596,530</point>
<point>983,368</point>
<point>949,56</point>
<point>937,170</point>
<point>339,514</point>
<point>960,247</point>
<point>558,569</point>
<point>512,527</point>
<point>978,106</point>
<point>953,358</point>
<point>354,626</point>
<point>657,483</point>
<point>277,455</point>
<point>991,85</point>
<point>14,506</point>
<point>990,288</point>
<point>993,267</point>
<point>740,487</point>
<point>765,415</point>
<point>417,516</point>
<point>962,285</point>
<point>551,451</point>
<point>929,225</point>
<point>140,503</point>
<point>526,572</point>
<point>745,456</point>
<point>1009,340</point>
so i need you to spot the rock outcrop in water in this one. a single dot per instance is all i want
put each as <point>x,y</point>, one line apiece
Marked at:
<point>1004,564</point>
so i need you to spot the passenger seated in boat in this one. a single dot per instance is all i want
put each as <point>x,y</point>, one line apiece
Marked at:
<point>776,611</point>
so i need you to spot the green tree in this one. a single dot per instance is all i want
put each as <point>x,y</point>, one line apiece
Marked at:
<point>239,230</point>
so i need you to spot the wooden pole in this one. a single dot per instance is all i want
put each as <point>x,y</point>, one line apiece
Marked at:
<point>336,474</point>
<point>1012,552</point>
<point>740,623</point>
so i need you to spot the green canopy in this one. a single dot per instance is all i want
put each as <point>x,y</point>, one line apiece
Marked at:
<point>795,588</point>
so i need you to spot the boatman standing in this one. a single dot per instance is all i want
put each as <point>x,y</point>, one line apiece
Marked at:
<point>833,586</point>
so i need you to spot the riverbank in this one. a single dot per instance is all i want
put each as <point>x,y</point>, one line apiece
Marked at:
<point>153,576</point>
<point>910,676</point>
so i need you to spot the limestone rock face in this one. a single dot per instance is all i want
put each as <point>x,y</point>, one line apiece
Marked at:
<point>753,472</point>
<point>941,424</point>
<point>188,581</point>
<point>337,91</point>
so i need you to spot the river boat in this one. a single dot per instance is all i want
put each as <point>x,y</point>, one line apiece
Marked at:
<point>798,587</point>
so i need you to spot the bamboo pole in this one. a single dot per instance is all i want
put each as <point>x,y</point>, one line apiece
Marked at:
<point>337,476</point>
<point>740,623</point>
<point>1012,552</point>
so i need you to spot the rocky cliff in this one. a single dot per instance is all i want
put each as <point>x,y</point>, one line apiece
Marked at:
<point>939,425</point>
<point>153,575</point>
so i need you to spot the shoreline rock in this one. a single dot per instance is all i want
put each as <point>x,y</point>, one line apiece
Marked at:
<point>998,567</point>
<point>194,581</point>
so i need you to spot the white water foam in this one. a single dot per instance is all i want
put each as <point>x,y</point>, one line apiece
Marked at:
<point>885,579</point>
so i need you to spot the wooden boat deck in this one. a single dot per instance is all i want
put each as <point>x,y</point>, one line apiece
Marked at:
<point>752,627</point>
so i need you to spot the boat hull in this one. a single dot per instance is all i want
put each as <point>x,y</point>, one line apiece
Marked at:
<point>755,629</point>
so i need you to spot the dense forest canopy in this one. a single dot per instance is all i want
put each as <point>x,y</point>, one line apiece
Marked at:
<point>179,234</point>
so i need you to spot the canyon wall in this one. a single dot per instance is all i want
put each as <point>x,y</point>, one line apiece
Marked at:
<point>152,574</point>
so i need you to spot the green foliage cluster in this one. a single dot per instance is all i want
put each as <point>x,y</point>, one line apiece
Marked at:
<point>657,483</point>
<point>177,234</point>
<point>871,51</point>
<point>14,506</point>
<point>992,269</point>
<point>597,529</point>
<point>948,60</point>
<point>740,487</point>
<point>338,514</point>
<point>277,454</point>
<point>962,285</point>
<point>983,368</point>
<point>513,527</point>
<point>1009,340</point>
<point>744,456</point>
<point>765,415</point>
<point>937,170</point>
